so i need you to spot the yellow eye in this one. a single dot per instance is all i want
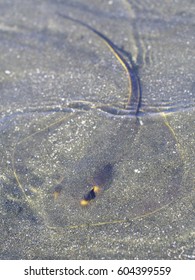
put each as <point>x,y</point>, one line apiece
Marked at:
<point>96,189</point>
<point>84,202</point>
<point>56,195</point>
<point>89,196</point>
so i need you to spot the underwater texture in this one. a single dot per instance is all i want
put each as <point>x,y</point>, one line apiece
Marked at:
<point>97,118</point>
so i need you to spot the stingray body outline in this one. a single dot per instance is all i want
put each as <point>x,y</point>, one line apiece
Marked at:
<point>129,70</point>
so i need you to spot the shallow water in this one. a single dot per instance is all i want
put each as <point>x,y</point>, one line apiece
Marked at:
<point>63,119</point>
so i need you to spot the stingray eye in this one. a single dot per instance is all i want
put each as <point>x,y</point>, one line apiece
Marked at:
<point>89,196</point>
<point>96,189</point>
<point>56,195</point>
<point>84,202</point>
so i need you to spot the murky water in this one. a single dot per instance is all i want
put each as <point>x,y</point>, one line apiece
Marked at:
<point>87,85</point>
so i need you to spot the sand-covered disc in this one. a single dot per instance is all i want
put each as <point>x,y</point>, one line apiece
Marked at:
<point>58,164</point>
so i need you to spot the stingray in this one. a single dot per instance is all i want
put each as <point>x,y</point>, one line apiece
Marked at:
<point>98,156</point>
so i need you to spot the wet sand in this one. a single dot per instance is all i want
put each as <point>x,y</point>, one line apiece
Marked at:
<point>63,121</point>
